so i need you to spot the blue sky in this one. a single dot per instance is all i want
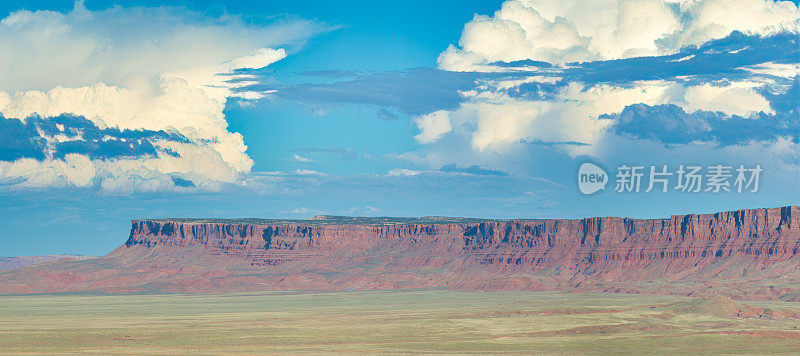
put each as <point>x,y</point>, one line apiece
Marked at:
<point>112,112</point>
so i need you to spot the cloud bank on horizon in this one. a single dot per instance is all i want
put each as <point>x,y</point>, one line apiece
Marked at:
<point>133,99</point>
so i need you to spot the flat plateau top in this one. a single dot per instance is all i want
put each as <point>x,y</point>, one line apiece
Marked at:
<point>333,220</point>
<point>425,220</point>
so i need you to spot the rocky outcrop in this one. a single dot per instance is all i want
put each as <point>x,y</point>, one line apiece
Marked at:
<point>747,254</point>
<point>603,243</point>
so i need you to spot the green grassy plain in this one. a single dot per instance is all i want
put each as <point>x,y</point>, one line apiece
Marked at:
<point>436,321</point>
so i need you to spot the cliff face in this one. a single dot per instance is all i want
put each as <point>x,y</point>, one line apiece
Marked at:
<point>749,254</point>
<point>766,235</point>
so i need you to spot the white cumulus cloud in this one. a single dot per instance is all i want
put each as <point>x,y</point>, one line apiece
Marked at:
<point>300,158</point>
<point>432,126</point>
<point>402,172</point>
<point>138,68</point>
<point>733,99</point>
<point>561,32</point>
<point>491,120</point>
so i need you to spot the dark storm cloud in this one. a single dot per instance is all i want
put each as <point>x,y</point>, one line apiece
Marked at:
<point>423,90</point>
<point>718,59</point>
<point>670,124</point>
<point>386,114</point>
<point>76,134</point>
<point>19,140</point>
<point>414,91</point>
<point>472,170</point>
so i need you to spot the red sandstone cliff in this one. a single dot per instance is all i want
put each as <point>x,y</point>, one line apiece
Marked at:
<point>750,253</point>
<point>762,234</point>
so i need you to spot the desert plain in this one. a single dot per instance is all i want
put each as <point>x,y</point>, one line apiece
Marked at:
<point>394,322</point>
